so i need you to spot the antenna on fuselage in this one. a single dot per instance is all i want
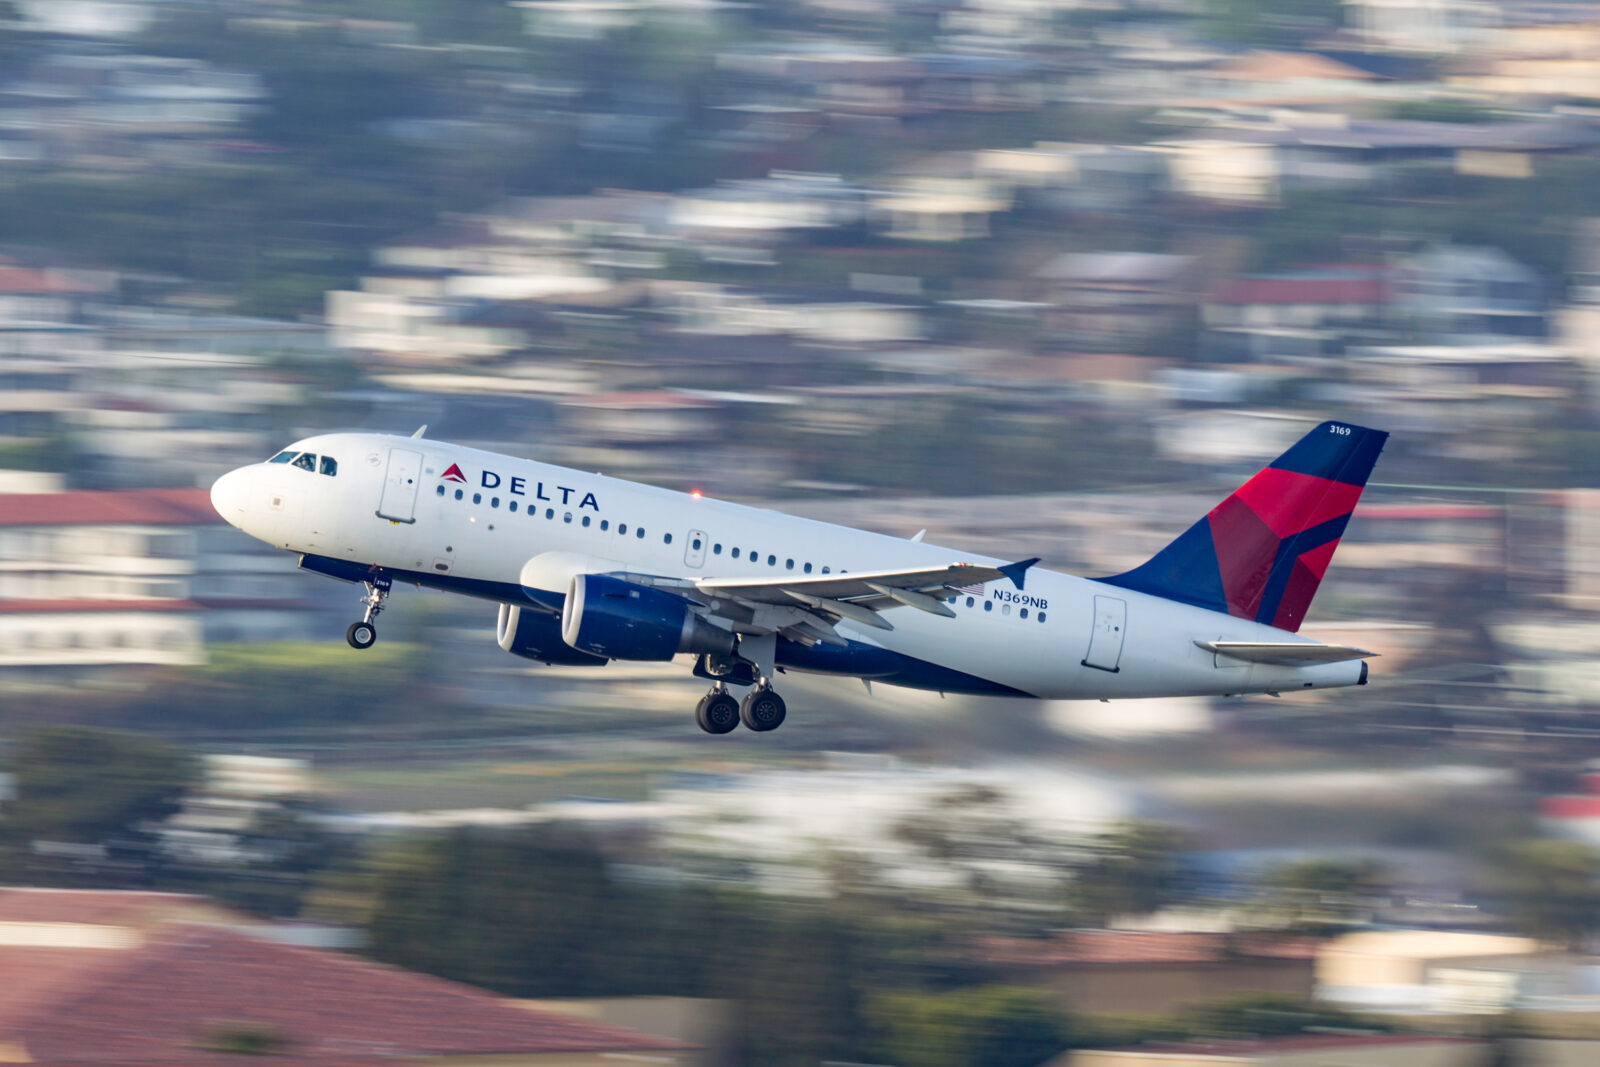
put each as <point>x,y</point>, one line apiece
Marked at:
<point>421,430</point>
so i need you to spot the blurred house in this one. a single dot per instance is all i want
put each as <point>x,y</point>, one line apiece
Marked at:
<point>836,317</point>
<point>1463,392</point>
<point>1412,971</point>
<point>1452,294</point>
<point>93,580</point>
<point>212,825</point>
<point>1425,27</point>
<point>1075,177</point>
<point>1299,314</point>
<point>1304,1050</point>
<point>938,209</point>
<point>104,977</point>
<point>1115,301</point>
<point>1129,972</point>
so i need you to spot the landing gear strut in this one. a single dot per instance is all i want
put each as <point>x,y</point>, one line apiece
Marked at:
<point>761,710</point>
<point>363,634</point>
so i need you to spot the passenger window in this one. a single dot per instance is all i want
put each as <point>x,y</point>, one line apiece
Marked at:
<point>549,513</point>
<point>494,502</point>
<point>306,461</point>
<point>477,498</point>
<point>438,490</point>
<point>772,561</point>
<point>282,457</point>
<point>736,553</point>
<point>512,505</point>
<point>716,549</point>
<point>639,533</point>
<point>825,570</point>
<point>970,602</point>
<point>666,539</point>
<point>1023,614</point>
<point>605,524</point>
<point>586,520</point>
<point>459,494</point>
<point>988,605</point>
<point>567,517</point>
<point>330,466</point>
<point>788,565</point>
<point>1041,616</point>
<point>808,568</point>
<point>622,528</point>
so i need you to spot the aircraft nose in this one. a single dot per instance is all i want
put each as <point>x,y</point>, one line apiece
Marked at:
<point>230,495</point>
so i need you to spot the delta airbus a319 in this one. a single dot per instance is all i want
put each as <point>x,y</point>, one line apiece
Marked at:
<point>588,569</point>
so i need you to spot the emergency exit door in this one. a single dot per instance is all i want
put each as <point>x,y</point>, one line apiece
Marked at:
<point>1105,640</point>
<point>399,502</point>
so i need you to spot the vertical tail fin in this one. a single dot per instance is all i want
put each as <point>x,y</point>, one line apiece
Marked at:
<point>1262,552</point>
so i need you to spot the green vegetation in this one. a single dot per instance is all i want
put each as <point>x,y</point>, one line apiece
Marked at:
<point>1439,111</point>
<point>1133,870</point>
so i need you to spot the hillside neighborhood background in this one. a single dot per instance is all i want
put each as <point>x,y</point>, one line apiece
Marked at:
<point>1040,277</point>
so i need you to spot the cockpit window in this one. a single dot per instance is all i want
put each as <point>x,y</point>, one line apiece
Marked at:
<point>282,457</point>
<point>330,466</point>
<point>306,461</point>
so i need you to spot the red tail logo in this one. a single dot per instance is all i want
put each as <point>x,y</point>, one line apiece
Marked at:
<point>453,474</point>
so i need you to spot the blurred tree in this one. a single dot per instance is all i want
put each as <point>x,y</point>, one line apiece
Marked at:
<point>1551,889</point>
<point>1267,1015</point>
<point>84,786</point>
<point>1272,23</point>
<point>1439,111</point>
<point>1323,895</point>
<point>983,1026</point>
<point>1132,870</point>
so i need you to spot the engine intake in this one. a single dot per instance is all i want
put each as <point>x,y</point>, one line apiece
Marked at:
<point>606,616</point>
<point>536,635</point>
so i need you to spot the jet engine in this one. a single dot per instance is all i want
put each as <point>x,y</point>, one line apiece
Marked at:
<point>537,635</point>
<point>606,616</point>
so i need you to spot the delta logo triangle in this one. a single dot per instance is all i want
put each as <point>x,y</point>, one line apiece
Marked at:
<point>453,474</point>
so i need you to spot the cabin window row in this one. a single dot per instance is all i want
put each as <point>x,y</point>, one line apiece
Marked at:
<point>1005,609</point>
<point>550,513</point>
<point>772,561</point>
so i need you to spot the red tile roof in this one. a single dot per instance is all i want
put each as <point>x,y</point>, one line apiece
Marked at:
<point>164,1002</point>
<point>129,507</point>
<point>1301,291</point>
<point>26,280</point>
<point>1135,946</point>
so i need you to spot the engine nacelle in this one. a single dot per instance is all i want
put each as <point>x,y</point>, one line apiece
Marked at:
<point>606,616</point>
<point>536,635</point>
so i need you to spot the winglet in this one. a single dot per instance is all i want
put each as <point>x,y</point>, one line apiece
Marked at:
<point>421,430</point>
<point>1018,570</point>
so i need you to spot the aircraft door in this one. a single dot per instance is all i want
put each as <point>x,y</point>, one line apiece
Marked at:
<point>1105,641</point>
<point>399,502</point>
<point>694,553</point>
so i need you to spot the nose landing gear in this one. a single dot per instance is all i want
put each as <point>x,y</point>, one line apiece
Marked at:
<point>363,634</point>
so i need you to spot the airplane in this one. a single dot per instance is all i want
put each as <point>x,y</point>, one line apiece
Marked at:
<point>587,569</point>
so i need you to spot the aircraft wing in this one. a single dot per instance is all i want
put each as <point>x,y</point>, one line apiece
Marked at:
<point>1285,653</point>
<point>860,597</point>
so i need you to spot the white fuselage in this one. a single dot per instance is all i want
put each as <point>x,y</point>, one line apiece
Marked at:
<point>394,504</point>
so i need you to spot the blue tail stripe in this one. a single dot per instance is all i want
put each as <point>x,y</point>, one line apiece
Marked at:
<point>1290,549</point>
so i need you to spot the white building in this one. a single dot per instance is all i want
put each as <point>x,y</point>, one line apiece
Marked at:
<point>143,577</point>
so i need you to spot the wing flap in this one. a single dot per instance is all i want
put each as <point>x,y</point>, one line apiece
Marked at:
<point>1285,653</point>
<point>868,584</point>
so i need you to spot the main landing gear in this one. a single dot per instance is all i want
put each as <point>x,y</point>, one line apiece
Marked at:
<point>363,634</point>
<point>761,709</point>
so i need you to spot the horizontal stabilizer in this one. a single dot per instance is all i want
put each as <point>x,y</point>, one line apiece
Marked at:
<point>1285,653</point>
